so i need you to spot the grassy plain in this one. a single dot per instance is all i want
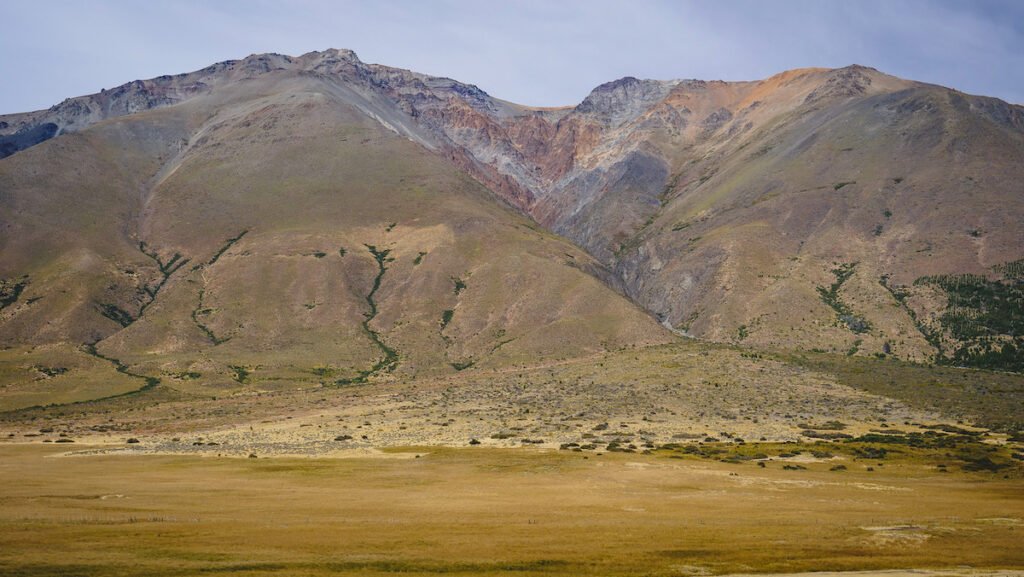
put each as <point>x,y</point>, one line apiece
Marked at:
<point>485,511</point>
<point>685,459</point>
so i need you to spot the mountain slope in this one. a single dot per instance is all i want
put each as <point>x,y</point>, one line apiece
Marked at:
<point>806,210</point>
<point>271,233</point>
<point>827,209</point>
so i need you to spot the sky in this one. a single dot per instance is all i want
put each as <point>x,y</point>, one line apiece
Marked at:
<point>540,53</point>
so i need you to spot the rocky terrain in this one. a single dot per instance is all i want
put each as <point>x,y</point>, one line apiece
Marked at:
<point>831,209</point>
<point>817,208</point>
<point>272,229</point>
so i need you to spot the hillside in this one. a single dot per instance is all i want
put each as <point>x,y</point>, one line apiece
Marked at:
<point>268,233</point>
<point>841,210</point>
<point>826,209</point>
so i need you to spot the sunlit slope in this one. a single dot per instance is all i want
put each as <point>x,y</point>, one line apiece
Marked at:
<point>821,227</point>
<point>272,231</point>
<point>845,210</point>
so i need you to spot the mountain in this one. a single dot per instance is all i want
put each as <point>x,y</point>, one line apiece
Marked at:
<point>276,224</point>
<point>277,217</point>
<point>844,210</point>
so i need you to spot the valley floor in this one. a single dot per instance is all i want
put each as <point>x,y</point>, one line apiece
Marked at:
<point>479,511</point>
<point>688,459</point>
<point>654,395</point>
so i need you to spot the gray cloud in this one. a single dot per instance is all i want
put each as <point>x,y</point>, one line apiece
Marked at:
<point>530,51</point>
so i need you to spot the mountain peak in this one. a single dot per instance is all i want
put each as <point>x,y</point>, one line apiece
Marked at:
<point>331,55</point>
<point>619,100</point>
<point>344,53</point>
<point>853,80</point>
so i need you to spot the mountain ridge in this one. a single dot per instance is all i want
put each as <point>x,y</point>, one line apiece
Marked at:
<point>273,232</point>
<point>78,112</point>
<point>723,208</point>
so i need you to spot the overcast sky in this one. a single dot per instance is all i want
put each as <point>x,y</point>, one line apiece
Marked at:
<point>545,52</point>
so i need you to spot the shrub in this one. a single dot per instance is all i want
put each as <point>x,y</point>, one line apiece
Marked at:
<point>460,285</point>
<point>446,317</point>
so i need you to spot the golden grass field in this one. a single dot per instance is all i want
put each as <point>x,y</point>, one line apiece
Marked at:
<point>485,511</point>
<point>596,465</point>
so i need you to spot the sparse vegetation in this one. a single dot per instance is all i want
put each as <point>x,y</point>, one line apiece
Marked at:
<point>220,252</point>
<point>241,374</point>
<point>323,371</point>
<point>10,290</point>
<point>460,285</point>
<point>389,361</point>
<point>116,314</point>
<point>900,295</point>
<point>830,296</point>
<point>991,399</point>
<point>856,347</point>
<point>200,311</point>
<point>446,317</point>
<point>166,269</point>
<point>984,317</point>
<point>150,382</point>
<point>51,371</point>
<point>826,426</point>
<point>930,448</point>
